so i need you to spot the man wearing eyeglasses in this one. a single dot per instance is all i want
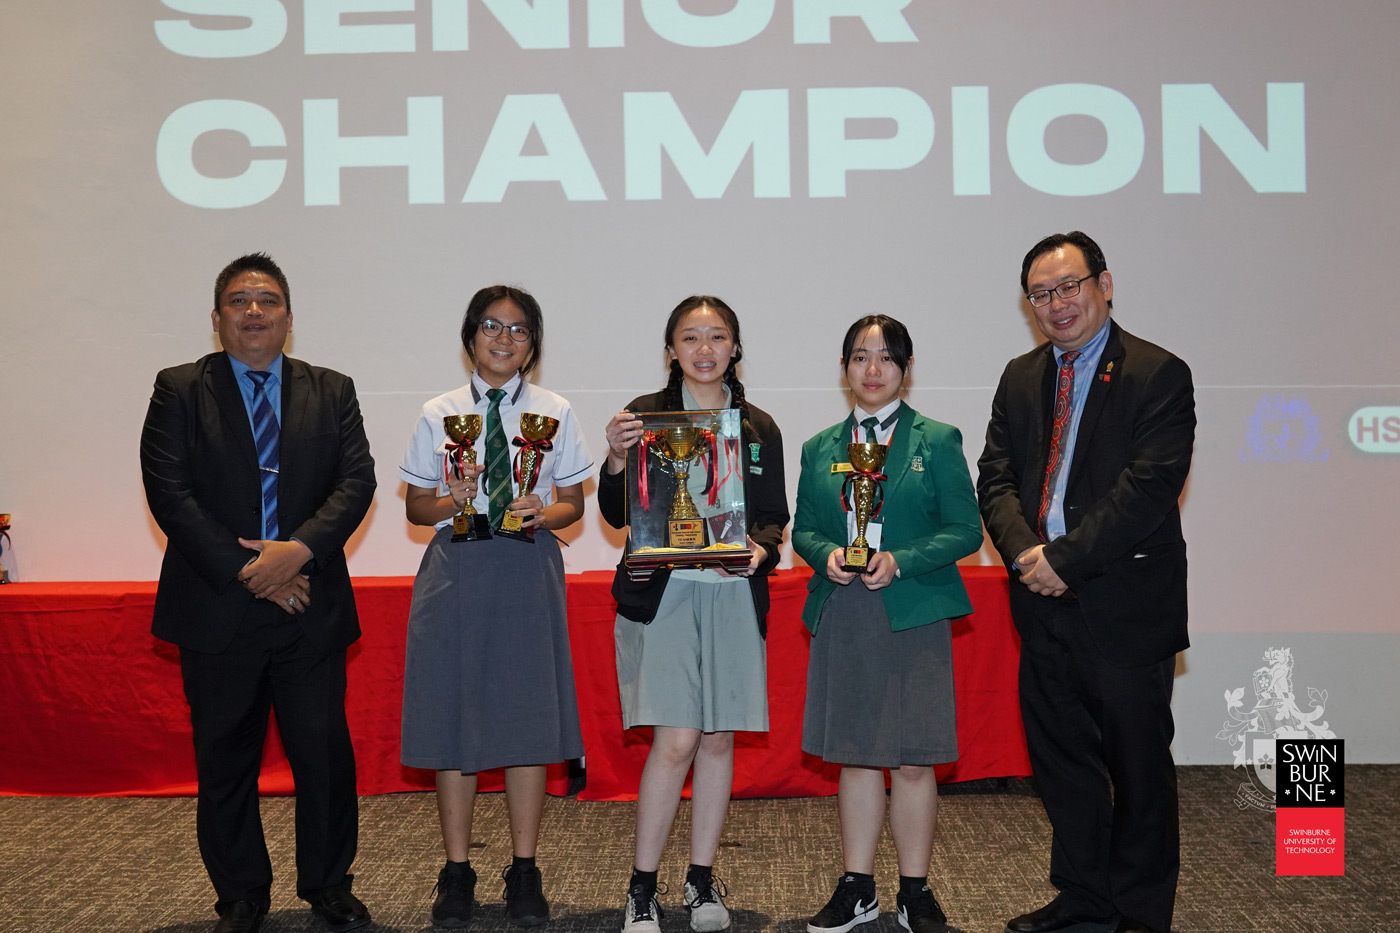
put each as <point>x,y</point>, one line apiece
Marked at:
<point>1087,453</point>
<point>257,469</point>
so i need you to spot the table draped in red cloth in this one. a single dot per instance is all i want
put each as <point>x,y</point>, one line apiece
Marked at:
<point>93,703</point>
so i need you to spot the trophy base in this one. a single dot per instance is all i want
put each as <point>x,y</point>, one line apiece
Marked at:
<point>644,562</point>
<point>472,527</point>
<point>512,527</point>
<point>857,559</point>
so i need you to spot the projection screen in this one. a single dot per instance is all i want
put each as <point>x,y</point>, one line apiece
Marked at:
<point>809,161</point>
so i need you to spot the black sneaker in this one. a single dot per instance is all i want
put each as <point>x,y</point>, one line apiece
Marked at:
<point>853,903</point>
<point>456,895</point>
<point>643,913</point>
<point>920,913</point>
<point>524,895</point>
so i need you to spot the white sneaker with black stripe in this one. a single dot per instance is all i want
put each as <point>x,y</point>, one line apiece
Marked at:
<point>705,900</point>
<point>853,903</point>
<point>643,913</point>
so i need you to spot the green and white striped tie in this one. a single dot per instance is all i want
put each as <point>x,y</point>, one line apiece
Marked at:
<point>497,458</point>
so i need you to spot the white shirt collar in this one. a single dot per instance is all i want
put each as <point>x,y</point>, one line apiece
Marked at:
<point>514,386</point>
<point>883,415</point>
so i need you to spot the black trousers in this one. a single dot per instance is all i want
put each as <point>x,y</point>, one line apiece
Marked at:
<point>271,666</point>
<point>1100,738</point>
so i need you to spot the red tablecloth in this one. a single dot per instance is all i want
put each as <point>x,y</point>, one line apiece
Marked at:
<point>92,703</point>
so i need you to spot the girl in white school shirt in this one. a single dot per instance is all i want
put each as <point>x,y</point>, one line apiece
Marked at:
<point>690,643</point>
<point>488,680</point>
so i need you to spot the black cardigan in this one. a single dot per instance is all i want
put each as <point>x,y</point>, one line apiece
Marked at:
<point>765,496</point>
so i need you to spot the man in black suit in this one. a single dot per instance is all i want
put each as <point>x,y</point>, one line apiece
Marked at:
<point>1087,453</point>
<point>257,469</point>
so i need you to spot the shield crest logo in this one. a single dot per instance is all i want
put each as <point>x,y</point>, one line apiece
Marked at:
<point>1263,760</point>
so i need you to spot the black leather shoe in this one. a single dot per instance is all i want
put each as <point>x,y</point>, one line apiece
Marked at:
<point>1052,917</point>
<point>339,908</point>
<point>1126,925</point>
<point>240,917</point>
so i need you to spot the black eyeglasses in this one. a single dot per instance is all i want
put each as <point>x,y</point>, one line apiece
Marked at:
<point>1065,290</point>
<point>493,328</point>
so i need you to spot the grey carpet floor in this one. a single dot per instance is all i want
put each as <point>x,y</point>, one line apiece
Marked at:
<point>82,864</point>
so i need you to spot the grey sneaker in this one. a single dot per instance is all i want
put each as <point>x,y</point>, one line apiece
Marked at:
<point>705,900</point>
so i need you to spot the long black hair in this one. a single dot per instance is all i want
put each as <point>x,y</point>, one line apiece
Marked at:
<point>671,395</point>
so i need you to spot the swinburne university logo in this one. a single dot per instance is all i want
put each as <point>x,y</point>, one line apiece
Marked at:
<point>1255,733</point>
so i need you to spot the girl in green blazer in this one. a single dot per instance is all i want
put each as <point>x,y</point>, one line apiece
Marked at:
<point>880,680</point>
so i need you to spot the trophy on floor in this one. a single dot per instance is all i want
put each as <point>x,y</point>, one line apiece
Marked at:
<point>536,436</point>
<point>675,447</point>
<point>863,490</point>
<point>462,432</point>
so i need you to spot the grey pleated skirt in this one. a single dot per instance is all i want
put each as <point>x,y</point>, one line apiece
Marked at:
<point>699,664</point>
<point>878,698</point>
<point>488,677</point>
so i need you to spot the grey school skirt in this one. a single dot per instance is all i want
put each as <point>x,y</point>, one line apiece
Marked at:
<point>488,677</point>
<point>878,698</point>
<point>700,663</point>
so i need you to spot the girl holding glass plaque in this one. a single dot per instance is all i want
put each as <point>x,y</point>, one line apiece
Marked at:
<point>690,642</point>
<point>880,678</point>
<point>488,678</point>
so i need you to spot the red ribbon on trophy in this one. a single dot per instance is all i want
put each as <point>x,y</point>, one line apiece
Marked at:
<point>875,475</point>
<point>452,460</point>
<point>539,446</point>
<point>642,492</point>
<point>708,459</point>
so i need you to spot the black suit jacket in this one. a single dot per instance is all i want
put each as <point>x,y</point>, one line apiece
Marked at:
<point>1123,554</point>
<point>765,496</point>
<point>200,468</point>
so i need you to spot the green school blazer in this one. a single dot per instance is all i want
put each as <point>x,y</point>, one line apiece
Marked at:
<point>930,519</point>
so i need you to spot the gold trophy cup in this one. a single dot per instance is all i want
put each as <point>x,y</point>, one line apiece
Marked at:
<point>537,432</point>
<point>678,446</point>
<point>866,459</point>
<point>462,431</point>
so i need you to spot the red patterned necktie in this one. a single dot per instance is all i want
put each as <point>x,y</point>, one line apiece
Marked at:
<point>1063,390</point>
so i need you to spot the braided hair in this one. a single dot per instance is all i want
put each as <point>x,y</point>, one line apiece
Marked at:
<point>671,395</point>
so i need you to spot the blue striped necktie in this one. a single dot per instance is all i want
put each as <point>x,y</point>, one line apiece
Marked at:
<point>267,436</point>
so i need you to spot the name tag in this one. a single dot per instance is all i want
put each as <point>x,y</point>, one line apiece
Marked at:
<point>841,468</point>
<point>756,470</point>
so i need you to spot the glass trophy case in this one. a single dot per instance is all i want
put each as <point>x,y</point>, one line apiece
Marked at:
<point>685,493</point>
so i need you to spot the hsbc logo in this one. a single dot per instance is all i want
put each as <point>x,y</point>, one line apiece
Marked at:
<point>1376,429</point>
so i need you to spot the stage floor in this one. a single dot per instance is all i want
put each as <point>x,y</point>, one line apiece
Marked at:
<point>73,865</point>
